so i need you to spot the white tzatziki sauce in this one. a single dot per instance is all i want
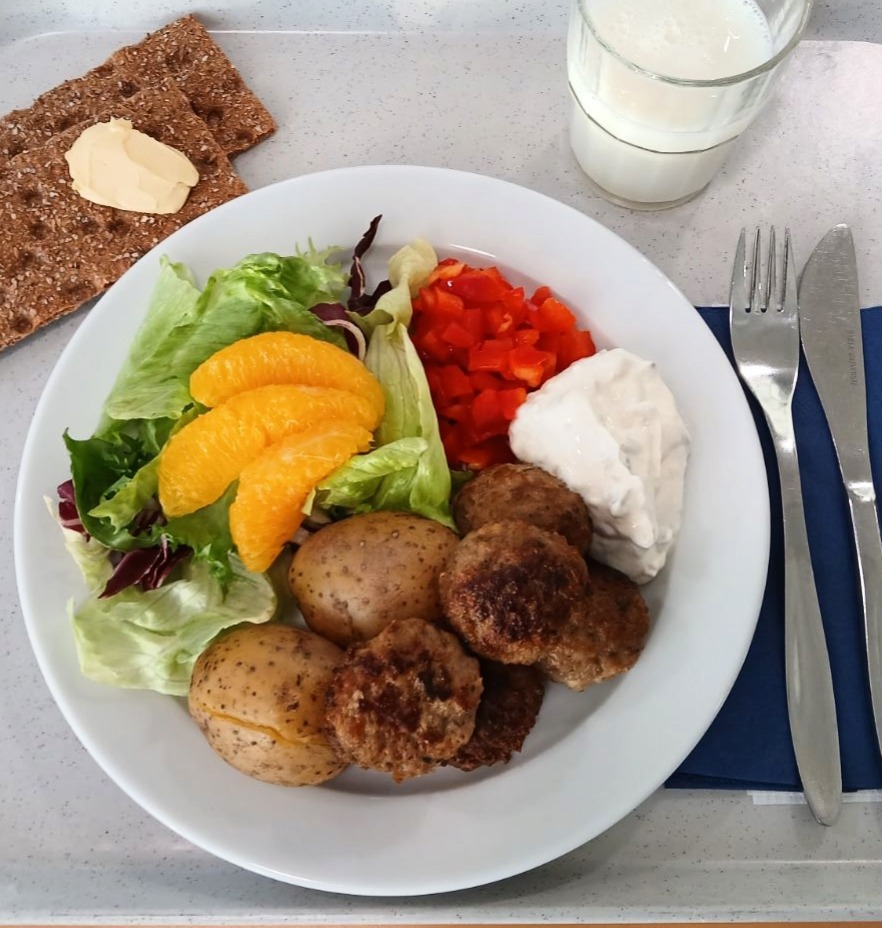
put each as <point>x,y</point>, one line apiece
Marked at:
<point>609,428</point>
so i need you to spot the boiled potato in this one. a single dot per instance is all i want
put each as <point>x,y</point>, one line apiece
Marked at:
<point>353,577</point>
<point>258,694</point>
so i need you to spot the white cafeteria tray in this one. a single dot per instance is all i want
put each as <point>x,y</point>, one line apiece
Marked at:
<point>477,87</point>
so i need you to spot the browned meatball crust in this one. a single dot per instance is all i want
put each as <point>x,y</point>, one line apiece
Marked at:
<point>508,590</point>
<point>522,491</point>
<point>404,701</point>
<point>507,713</point>
<point>604,636</point>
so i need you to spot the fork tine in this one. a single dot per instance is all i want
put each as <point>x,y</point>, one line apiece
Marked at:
<point>738,287</point>
<point>789,298</point>
<point>772,274</point>
<point>756,304</point>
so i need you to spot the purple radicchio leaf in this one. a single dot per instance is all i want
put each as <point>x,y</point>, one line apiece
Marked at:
<point>360,301</point>
<point>68,513</point>
<point>149,516</point>
<point>146,568</point>
<point>334,315</point>
<point>162,567</point>
<point>356,272</point>
<point>367,301</point>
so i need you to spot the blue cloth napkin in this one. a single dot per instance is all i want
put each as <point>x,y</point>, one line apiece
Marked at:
<point>748,745</point>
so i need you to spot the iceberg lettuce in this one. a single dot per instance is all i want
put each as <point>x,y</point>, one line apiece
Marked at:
<point>151,639</point>
<point>407,477</point>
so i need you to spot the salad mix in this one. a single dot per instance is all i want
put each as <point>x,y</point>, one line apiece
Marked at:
<point>162,587</point>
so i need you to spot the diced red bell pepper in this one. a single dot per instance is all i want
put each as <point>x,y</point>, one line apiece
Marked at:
<point>487,413</point>
<point>476,287</point>
<point>510,400</point>
<point>550,342</point>
<point>531,365</point>
<point>473,320</point>
<point>485,380</point>
<point>500,318</point>
<point>487,453</point>
<point>553,316</point>
<point>456,412</point>
<point>490,355</point>
<point>452,439</point>
<point>574,346</point>
<point>457,335</point>
<point>454,383</point>
<point>446,269</point>
<point>439,304</point>
<point>431,346</point>
<point>540,296</point>
<point>433,377</point>
<point>526,336</point>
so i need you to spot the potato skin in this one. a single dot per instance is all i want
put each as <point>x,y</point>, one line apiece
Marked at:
<point>353,577</point>
<point>258,694</point>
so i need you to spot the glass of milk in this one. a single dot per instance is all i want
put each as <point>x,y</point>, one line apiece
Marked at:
<point>661,89</point>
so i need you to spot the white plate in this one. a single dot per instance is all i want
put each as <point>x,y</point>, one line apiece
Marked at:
<point>593,757</point>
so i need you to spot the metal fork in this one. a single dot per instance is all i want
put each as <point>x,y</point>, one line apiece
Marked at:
<point>764,324</point>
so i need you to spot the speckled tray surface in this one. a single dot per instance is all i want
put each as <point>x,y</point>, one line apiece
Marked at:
<point>477,87</point>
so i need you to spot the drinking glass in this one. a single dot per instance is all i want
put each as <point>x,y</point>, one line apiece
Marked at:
<point>652,137</point>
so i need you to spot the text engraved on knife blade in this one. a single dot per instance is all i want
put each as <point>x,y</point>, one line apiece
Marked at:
<point>851,337</point>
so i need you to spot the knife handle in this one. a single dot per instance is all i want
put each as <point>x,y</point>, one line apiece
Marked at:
<point>868,544</point>
<point>810,701</point>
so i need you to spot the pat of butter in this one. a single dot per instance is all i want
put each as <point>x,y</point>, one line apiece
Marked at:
<point>115,165</point>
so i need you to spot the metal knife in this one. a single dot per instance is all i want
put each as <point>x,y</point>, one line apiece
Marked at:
<point>830,319</point>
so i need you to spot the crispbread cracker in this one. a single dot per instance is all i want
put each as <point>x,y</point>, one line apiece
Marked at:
<point>58,250</point>
<point>183,51</point>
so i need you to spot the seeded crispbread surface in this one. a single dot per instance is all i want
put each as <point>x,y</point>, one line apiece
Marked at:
<point>182,51</point>
<point>57,249</point>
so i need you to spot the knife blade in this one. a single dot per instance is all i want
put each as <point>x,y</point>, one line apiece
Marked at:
<point>830,321</point>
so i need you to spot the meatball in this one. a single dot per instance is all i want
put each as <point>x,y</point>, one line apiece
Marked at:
<point>522,491</point>
<point>604,636</point>
<point>508,590</point>
<point>404,701</point>
<point>507,712</point>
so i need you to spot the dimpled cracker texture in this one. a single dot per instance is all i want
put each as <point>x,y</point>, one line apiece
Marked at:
<point>58,250</point>
<point>182,51</point>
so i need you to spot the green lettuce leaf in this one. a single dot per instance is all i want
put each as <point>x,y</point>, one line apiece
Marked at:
<point>184,327</point>
<point>151,640</point>
<point>171,314</point>
<point>101,468</point>
<point>423,485</point>
<point>88,553</point>
<point>207,532</point>
<point>121,502</point>
<point>409,269</point>
<point>364,482</point>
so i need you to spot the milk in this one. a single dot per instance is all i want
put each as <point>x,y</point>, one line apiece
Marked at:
<point>649,140</point>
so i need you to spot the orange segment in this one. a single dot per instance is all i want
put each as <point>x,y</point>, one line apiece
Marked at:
<point>208,454</point>
<point>282,357</point>
<point>274,487</point>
